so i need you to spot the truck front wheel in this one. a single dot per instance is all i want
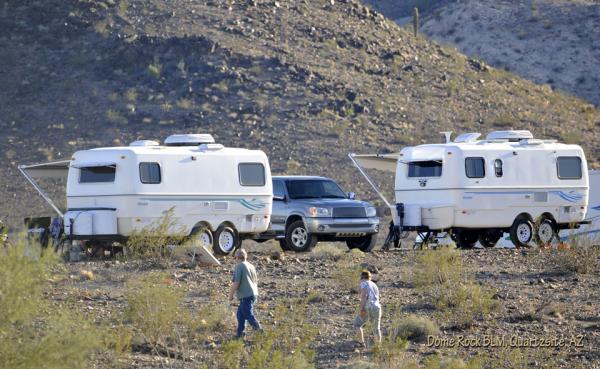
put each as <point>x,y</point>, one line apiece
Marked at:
<point>297,237</point>
<point>364,243</point>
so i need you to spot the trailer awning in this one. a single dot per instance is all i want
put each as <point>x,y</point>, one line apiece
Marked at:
<point>385,162</point>
<point>55,169</point>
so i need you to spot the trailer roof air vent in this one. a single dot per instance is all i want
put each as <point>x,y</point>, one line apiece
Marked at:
<point>467,137</point>
<point>144,143</point>
<point>511,135</point>
<point>189,140</point>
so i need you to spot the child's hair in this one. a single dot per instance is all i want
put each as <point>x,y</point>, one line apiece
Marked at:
<point>365,274</point>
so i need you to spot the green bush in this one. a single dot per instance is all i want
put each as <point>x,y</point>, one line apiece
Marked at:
<point>467,302</point>
<point>33,332</point>
<point>154,307</point>
<point>415,328</point>
<point>152,241</point>
<point>437,267</point>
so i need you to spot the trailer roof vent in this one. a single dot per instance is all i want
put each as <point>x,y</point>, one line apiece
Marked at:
<point>189,140</point>
<point>144,143</point>
<point>511,136</point>
<point>467,137</point>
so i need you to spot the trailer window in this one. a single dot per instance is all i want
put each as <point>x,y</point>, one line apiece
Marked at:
<point>498,168</point>
<point>569,167</point>
<point>150,173</point>
<point>101,174</point>
<point>430,168</point>
<point>252,174</point>
<point>475,167</point>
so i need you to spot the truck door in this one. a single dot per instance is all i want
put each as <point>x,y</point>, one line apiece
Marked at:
<point>279,214</point>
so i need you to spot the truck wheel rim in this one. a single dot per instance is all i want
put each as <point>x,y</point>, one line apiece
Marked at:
<point>545,232</point>
<point>226,241</point>
<point>524,233</point>
<point>299,237</point>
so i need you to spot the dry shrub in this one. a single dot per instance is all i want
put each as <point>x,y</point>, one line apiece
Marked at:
<point>467,302</point>
<point>582,257</point>
<point>329,250</point>
<point>346,274</point>
<point>33,332</point>
<point>391,352</point>
<point>437,362</point>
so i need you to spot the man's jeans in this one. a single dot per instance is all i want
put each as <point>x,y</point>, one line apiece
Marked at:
<point>246,312</point>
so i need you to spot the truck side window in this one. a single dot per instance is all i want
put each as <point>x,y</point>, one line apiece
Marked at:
<point>251,174</point>
<point>150,173</point>
<point>101,174</point>
<point>569,167</point>
<point>475,167</point>
<point>278,189</point>
<point>498,167</point>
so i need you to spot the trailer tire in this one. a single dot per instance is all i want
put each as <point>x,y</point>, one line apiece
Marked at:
<point>490,237</point>
<point>466,239</point>
<point>545,232</point>
<point>225,240</point>
<point>364,243</point>
<point>203,235</point>
<point>297,237</point>
<point>521,232</point>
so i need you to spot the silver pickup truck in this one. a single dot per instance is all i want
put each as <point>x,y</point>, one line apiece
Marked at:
<point>307,210</point>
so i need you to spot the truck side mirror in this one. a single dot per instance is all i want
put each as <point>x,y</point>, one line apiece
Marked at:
<point>351,195</point>
<point>279,197</point>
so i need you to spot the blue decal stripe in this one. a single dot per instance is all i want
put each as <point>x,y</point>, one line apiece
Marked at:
<point>596,208</point>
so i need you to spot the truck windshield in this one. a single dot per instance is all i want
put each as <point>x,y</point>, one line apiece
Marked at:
<point>314,189</point>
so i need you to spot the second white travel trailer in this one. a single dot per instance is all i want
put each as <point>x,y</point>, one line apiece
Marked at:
<point>219,195</point>
<point>479,189</point>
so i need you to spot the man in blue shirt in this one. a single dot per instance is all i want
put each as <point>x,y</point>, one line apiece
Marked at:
<point>245,289</point>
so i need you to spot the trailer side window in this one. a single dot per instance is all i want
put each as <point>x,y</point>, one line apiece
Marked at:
<point>150,173</point>
<point>251,174</point>
<point>100,174</point>
<point>569,167</point>
<point>475,167</point>
<point>498,167</point>
<point>430,168</point>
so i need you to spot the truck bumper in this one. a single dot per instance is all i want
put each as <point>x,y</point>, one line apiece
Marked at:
<point>342,226</point>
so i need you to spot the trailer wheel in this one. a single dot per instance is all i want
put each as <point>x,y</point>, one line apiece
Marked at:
<point>226,240</point>
<point>467,239</point>
<point>521,232</point>
<point>545,232</point>
<point>201,237</point>
<point>489,238</point>
<point>298,239</point>
<point>364,243</point>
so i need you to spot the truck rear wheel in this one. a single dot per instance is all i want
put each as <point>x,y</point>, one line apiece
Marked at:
<point>364,243</point>
<point>226,239</point>
<point>521,232</point>
<point>297,237</point>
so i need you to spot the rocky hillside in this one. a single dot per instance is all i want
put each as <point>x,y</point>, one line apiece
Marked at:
<point>306,81</point>
<point>553,42</point>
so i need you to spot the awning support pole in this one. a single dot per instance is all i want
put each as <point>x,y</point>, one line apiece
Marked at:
<point>361,170</point>
<point>40,191</point>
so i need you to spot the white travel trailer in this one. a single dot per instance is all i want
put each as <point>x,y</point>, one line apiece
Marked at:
<point>219,195</point>
<point>479,189</point>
